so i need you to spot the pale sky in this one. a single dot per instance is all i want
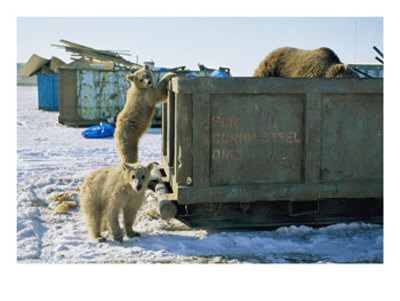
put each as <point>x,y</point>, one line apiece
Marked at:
<point>236,42</point>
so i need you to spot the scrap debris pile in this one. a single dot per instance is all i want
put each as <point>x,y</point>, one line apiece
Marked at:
<point>84,57</point>
<point>106,58</point>
<point>37,64</point>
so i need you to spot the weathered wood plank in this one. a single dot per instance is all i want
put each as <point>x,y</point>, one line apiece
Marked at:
<point>312,138</point>
<point>201,139</point>
<point>276,192</point>
<point>171,131</point>
<point>67,91</point>
<point>252,85</point>
<point>184,139</point>
<point>164,126</point>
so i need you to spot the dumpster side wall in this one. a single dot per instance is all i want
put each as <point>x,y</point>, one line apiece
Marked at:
<point>88,97</point>
<point>48,91</point>
<point>271,139</point>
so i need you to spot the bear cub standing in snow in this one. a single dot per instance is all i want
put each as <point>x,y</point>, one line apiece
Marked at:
<point>135,118</point>
<point>109,190</point>
<point>293,62</point>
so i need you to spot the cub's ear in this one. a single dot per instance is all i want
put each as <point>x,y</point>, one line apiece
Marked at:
<point>130,77</point>
<point>150,167</point>
<point>125,166</point>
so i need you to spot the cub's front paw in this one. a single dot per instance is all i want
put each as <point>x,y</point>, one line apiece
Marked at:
<point>99,239</point>
<point>169,75</point>
<point>117,237</point>
<point>131,234</point>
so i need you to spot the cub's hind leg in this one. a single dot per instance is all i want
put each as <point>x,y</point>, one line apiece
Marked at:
<point>94,226</point>
<point>113,225</point>
<point>129,218</point>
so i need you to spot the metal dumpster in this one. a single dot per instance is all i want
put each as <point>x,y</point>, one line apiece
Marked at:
<point>48,91</point>
<point>89,96</point>
<point>373,70</point>
<point>267,152</point>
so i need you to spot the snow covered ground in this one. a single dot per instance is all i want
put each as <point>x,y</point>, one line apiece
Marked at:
<point>53,159</point>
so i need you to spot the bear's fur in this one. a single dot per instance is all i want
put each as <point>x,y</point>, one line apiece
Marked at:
<point>293,62</point>
<point>136,116</point>
<point>109,190</point>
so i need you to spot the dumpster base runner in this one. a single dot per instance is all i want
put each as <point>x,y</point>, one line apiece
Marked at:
<point>280,213</point>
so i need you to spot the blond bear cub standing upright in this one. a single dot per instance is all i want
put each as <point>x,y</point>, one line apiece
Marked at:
<point>135,118</point>
<point>109,190</point>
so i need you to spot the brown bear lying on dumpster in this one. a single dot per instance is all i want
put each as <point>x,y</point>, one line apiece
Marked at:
<point>293,62</point>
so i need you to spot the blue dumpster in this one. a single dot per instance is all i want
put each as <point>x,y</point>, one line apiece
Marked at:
<point>48,91</point>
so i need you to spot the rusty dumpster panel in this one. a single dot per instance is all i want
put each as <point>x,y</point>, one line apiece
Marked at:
<point>101,94</point>
<point>250,143</point>
<point>88,97</point>
<point>252,140</point>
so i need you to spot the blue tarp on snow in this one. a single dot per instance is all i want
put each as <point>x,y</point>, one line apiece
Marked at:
<point>99,131</point>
